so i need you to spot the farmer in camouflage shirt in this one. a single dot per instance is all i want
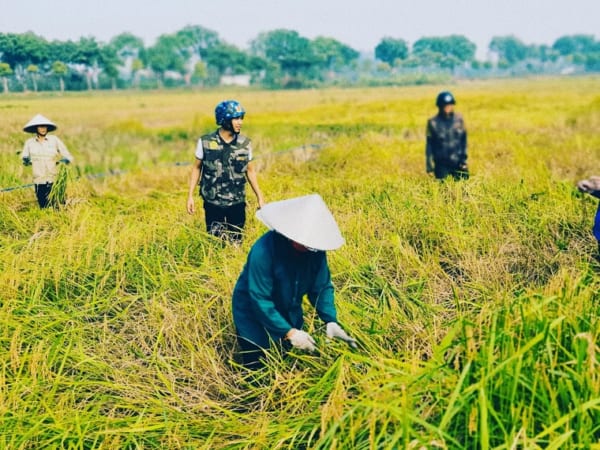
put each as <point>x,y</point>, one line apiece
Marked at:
<point>446,149</point>
<point>222,166</point>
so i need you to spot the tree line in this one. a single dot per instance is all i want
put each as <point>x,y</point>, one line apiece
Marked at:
<point>281,58</point>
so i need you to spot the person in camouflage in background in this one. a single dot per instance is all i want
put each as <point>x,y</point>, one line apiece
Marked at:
<point>222,167</point>
<point>446,149</point>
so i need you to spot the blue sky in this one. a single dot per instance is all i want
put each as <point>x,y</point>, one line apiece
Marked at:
<point>358,23</point>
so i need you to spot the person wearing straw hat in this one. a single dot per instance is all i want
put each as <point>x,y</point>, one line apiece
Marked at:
<point>223,165</point>
<point>43,152</point>
<point>592,186</point>
<point>284,265</point>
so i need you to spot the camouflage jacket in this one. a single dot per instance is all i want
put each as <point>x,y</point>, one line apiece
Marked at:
<point>446,141</point>
<point>224,168</point>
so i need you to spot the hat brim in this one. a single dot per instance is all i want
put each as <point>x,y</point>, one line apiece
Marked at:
<point>305,220</point>
<point>39,121</point>
<point>33,128</point>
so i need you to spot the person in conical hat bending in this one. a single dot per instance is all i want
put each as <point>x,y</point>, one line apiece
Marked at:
<point>222,166</point>
<point>44,152</point>
<point>285,264</point>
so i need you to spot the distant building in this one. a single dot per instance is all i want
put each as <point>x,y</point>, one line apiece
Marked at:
<point>235,80</point>
<point>173,75</point>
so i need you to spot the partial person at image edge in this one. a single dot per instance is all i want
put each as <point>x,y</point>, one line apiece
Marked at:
<point>446,145</point>
<point>284,265</point>
<point>44,153</point>
<point>222,166</point>
<point>592,186</point>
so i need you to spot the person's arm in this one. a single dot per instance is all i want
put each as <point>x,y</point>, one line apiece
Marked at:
<point>321,297</point>
<point>321,294</point>
<point>463,147</point>
<point>261,287</point>
<point>64,152</point>
<point>590,186</point>
<point>253,181</point>
<point>194,179</point>
<point>25,156</point>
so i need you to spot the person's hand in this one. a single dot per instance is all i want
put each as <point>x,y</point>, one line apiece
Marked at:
<point>26,161</point>
<point>583,185</point>
<point>301,340</point>
<point>589,185</point>
<point>191,208</point>
<point>335,331</point>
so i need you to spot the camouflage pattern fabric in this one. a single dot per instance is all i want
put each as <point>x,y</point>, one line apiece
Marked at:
<point>224,168</point>
<point>446,141</point>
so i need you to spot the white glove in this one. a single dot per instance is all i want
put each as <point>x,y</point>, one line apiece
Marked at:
<point>302,340</point>
<point>584,186</point>
<point>591,184</point>
<point>335,331</point>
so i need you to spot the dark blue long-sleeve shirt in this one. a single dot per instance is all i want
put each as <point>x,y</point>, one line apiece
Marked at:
<point>267,298</point>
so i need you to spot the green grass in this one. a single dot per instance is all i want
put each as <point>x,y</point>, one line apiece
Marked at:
<point>475,304</point>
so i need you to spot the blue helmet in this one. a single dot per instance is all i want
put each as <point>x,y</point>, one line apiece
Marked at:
<point>227,110</point>
<point>445,98</point>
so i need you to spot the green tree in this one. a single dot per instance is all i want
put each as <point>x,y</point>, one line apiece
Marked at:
<point>198,40</point>
<point>166,54</point>
<point>509,49</point>
<point>33,71</point>
<point>5,72</point>
<point>290,53</point>
<point>109,62</point>
<point>127,45</point>
<point>136,66</point>
<point>577,43</point>
<point>227,58</point>
<point>198,43</point>
<point>200,72</point>
<point>592,62</point>
<point>89,55</point>
<point>390,50</point>
<point>21,50</point>
<point>581,49</point>
<point>128,48</point>
<point>449,51</point>
<point>332,54</point>
<point>64,51</point>
<point>60,69</point>
<point>543,52</point>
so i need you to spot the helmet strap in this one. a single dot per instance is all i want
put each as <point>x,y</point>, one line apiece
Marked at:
<point>228,126</point>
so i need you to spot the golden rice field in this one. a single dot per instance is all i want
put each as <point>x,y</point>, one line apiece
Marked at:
<point>476,305</point>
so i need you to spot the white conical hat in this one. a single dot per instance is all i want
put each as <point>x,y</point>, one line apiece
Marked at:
<point>305,220</point>
<point>38,120</point>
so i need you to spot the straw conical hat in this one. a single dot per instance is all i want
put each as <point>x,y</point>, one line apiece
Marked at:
<point>39,120</point>
<point>305,220</point>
